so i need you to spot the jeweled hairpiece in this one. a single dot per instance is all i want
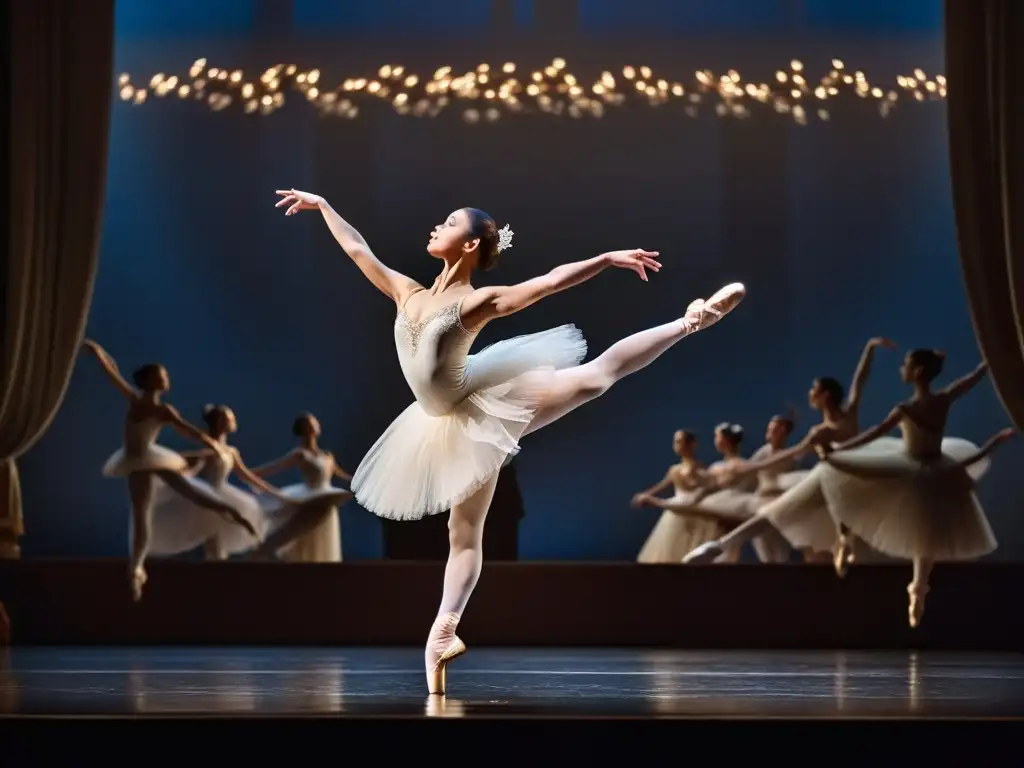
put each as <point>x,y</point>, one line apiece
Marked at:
<point>504,238</point>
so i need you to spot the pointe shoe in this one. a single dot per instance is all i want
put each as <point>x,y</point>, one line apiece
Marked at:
<point>437,678</point>
<point>843,556</point>
<point>915,611</point>
<point>705,553</point>
<point>139,579</point>
<point>703,313</point>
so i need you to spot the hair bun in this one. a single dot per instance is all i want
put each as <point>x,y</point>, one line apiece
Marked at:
<point>208,409</point>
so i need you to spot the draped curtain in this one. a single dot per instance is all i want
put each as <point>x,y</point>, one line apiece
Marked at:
<point>58,99</point>
<point>984,106</point>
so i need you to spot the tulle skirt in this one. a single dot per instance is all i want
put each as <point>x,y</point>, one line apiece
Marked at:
<point>801,513</point>
<point>674,535</point>
<point>910,508</point>
<point>178,525</point>
<point>772,547</point>
<point>154,457</point>
<point>322,544</point>
<point>423,464</point>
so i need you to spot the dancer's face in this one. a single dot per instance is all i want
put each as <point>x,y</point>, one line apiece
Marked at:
<point>160,380</point>
<point>682,445</point>
<point>909,372</point>
<point>452,239</point>
<point>777,432</point>
<point>817,397</point>
<point>722,443</point>
<point>312,427</point>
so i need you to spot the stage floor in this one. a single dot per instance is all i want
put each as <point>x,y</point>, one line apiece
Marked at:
<point>487,682</point>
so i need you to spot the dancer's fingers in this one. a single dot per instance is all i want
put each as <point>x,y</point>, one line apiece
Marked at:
<point>285,191</point>
<point>294,209</point>
<point>284,201</point>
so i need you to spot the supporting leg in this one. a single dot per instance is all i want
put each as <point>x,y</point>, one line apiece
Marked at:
<point>918,589</point>
<point>465,561</point>
<point>140,489</point>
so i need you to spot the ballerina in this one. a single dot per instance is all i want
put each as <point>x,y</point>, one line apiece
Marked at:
<point>142,462</point>
<point>470,411</point>
<point>179,526</point>
<point>313,533</point>
<point>913,498</point>
<point>801,513</point>
<point>672,537</point>
<point>726,499</point>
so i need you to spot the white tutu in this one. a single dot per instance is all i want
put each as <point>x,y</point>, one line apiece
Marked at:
<point>907,507</point>
<point>423,464</point>
<point>772,547</point>
<point>801,513</point>
<point>321,545</point>
<point>178,525</point>
<point>674,535</point>
<point>153,457</point>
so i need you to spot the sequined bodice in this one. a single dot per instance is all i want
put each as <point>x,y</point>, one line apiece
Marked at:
<point>140,435</point>
<point>921,442</point>
<point>768,479</point>
<point>434,355</point>
<point>218,467</point>
<point>316,469</point>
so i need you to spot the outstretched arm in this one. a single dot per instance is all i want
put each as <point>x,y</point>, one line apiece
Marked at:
<point>875,432</point>
<point>692,508</point>
<point>965,384</point>
<point>277,466</point>
<point>863,371</point>
<point>110,368</point>
<point>171,416</point>
<point>655,489</point>
<point>388,281</point>
<point>815,436</point>
<point>342,474</point>
<point>486,304</point>
<point>254,480</point>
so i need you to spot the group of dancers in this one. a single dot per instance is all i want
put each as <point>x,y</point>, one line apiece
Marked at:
<point>444,452</point>
<point>910,499</point>
<point>181,501</point>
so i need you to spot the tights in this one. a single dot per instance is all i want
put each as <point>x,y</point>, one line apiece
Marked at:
<point>571,388</point>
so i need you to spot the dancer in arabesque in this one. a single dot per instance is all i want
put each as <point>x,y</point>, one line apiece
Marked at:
<point>470,411</point>
<point>913,498</point>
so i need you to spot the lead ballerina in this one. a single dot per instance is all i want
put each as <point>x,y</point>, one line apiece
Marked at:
<point>470,411</point>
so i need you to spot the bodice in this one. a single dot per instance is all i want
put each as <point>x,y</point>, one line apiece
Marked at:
<point>684,479</point>
<point>433,354</point>
<point>768,479</point>
<point>316,469</point>
<point>140,435</point>
<point>921,442</point>
<point>217,467</point>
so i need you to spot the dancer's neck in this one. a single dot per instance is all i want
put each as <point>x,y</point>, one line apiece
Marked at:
<point>833,414</point>
<point>454,273</point>
<point>310,444</point>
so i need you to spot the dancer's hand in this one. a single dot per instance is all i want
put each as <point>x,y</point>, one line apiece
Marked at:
<point>635,259</point>
<point>1005,435</point>
<point>638,500</point>
<point>297,200</point>
<point>880,341</point>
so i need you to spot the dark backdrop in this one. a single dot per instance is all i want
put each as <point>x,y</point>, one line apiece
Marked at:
<point>841,230</point>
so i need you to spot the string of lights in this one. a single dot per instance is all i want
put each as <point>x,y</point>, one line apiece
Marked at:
<point>487,93</point>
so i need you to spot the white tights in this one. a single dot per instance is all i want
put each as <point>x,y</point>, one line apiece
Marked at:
<point>571,388</point>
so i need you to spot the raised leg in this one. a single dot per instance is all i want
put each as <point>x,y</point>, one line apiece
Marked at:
<point>140,490</point>
<point>465,560</point>
<point>575,386</point>
<point>751,529</point>
<point>194,493</point>
<point>918,589</point>
<point>300,522</point>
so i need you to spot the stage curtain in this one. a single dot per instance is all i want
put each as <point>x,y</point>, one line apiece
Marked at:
<point>58,110</point>
<point>985,133</point>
